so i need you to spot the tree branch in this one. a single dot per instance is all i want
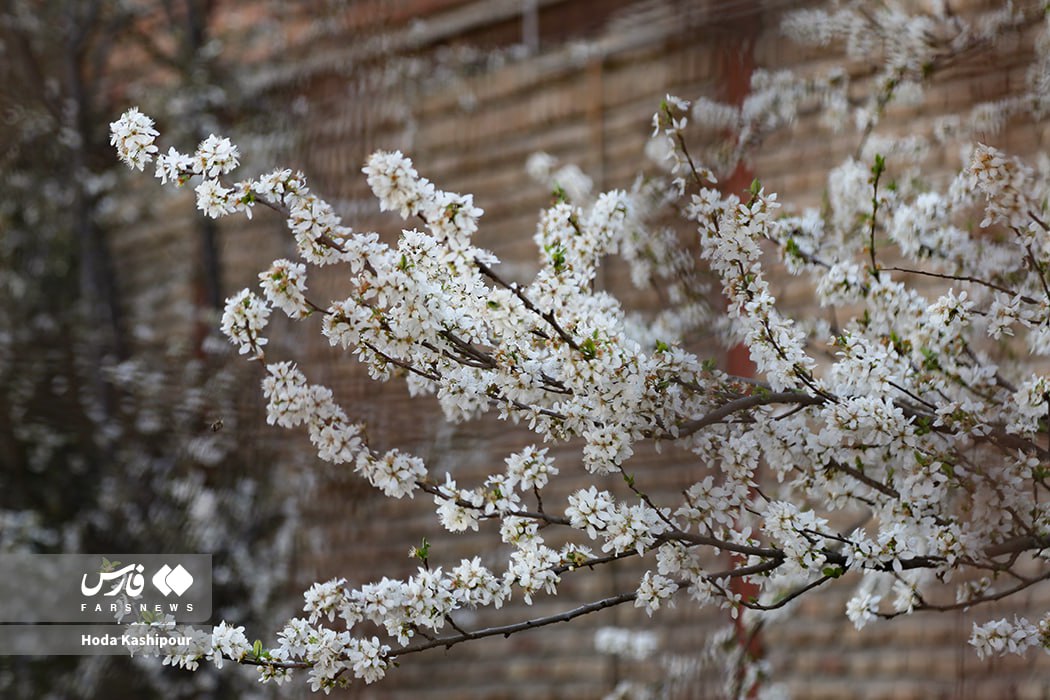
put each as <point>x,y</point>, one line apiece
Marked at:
<point>745,403</point>
<point>507,630</point>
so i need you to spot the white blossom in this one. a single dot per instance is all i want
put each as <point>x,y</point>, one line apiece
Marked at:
<point>227,643</point>
<point>133,135</point>
<point>213,199</point>
<point>1002,636</point>
<point>862,608</point>
<point>244,317</point>
<point>531,468</point>
<point>654,591</point>
<point>284,285</point>
<point>174,166</point>
<point>215,156</point>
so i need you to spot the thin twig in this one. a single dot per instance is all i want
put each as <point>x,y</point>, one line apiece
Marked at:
<point>963,278</point>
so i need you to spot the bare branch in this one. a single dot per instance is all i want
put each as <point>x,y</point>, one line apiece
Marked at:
<point>507,630</point>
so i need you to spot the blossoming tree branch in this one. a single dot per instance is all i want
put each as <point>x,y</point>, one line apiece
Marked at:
<point>899,411</point>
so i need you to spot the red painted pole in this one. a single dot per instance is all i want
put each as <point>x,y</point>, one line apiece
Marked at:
<point>737,64</point>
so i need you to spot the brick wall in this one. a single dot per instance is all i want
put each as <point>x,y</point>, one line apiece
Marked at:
<point>591,107</point>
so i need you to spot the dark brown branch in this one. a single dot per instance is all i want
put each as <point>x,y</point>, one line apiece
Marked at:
<point>865,479</point>
<point>690,538</point>
<point>269,663</point>
<point>507,630</point>
<point>790,596</point>
<point>991,597</point>
<point>1037,269</point>
<point>401,363</point>
<point>591,563</point>
<point>516,290</point>
<point>745,403</point>
<point>760,568</point>
<point>481,358</point>
<point>1017,545</point>
<point>962,278</point>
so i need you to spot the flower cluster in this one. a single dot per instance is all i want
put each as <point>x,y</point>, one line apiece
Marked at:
<point>133,135</point>
<point>1002,636</point>
<point>285,287</point>
<point>244,317</point>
